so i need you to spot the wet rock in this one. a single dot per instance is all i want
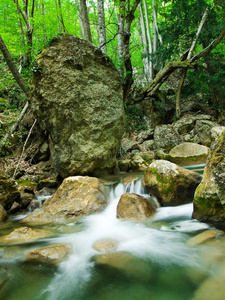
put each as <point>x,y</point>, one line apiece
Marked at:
<point>209,199</point>
<point>50,182</point>
<point>26,199</point>
<point>124,165</point>
<point>138,163</point>
<point>127,263</point>
<point>8,190</point>
<point>166,137</point>
<point>23,235</point>
<point>53,254</point>
<point>128,145</point>
<point>204,237</point>
<point>134,207</point>
<point>14,208</point>
<point>188,153</point>
<point>170,183</point>
<point>105,245</point>
<point>77,196</point>
<point>3,214</point>
<point>76,95</point>
<point>216,131</point>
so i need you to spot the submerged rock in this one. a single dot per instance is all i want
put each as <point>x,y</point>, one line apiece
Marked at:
<point>76,94</point>
<point>23,235</point>
<point>53,254</point>
<point>204,237</point>
<point>77,196</point>
<point>170,183</point>
<point>188,153</point>
<point>134,207</point>
<point>8,190</point>
<point>105,245</point>
<point>209,199</point>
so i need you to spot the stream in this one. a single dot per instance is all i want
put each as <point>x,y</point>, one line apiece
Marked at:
<point>151,260</point>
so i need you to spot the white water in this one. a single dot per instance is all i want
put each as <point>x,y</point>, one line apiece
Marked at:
<point>163,244</point>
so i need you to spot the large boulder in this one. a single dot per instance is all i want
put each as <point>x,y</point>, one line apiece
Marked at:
<point>76,94</point>
<point>3,214</point>
<point>209,199</point>
<point>77,196</point>
<point>171,184</point>
<point>134,207</point>
<point>188,153</point>
<point>8,190</point>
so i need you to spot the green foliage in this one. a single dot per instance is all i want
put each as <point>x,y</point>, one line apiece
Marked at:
<point>135,121</point>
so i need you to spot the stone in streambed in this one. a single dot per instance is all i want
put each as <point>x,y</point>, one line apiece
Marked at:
<point>3,214</point>
<point>53,254</point>
<point>171,184</point>
<point>134,207</point>
<point>23,235</point>
<point>76,197</point>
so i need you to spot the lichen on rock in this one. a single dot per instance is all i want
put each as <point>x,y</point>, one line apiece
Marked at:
<point>76,95</point>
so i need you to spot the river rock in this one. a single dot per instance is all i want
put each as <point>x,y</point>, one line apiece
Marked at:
<point>202,130</point>
<point>8,190</point>
<point>76,95</point>
<point>216,131</point>
<point>134,207</point>
<point>148,145</point>
<point>3,214</point>
<point>53,254</point>
<point>171,184</point>
<point>185,124</point>
<point>188,153</point>
<point>209,199</point>
<point>166,137</point>
<point>204,237</point>
<point>23,235</point>
<point>105,245</point>
<point>127,263</point>
<point>77,196</point>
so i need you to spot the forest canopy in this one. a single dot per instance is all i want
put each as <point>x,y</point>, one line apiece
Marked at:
<point>139,36</point>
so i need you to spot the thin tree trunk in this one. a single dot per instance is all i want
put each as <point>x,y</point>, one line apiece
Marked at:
<point>144,43</point>
<point>43,15</point>
<point>85,24</point>
<point>61,16</point>
<point>12,67</point>
<point>150,49</point>
<point>57,16</point>
<point>79,17</point>
<point>101,26</point>
<point>121,20</point>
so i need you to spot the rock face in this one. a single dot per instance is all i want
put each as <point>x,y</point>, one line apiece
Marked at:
<point>53,254</point>
<point>188,153</point>
<point>134,207</point>
<point>77,196</point>
<point>209,200</point>
<point>8,190</point>
<point>171,184</point>
<point>76,94</point>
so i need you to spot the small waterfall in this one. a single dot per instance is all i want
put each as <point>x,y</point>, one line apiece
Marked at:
<point>161,244</point>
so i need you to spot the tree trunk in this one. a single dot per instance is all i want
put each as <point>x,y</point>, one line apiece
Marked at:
<point>85,24</point>
<point>101,26</point>
<point>121,21</point>
<point>57,16</point>
<point>144,43</point>
<point>150,49</point>
<point>61,16</point>
<point>12,67</point>
<point>44,26</point>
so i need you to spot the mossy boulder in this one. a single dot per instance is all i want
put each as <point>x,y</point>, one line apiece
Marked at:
<point>171,184</point>
<point>8,190</point>
<point>3,214</point>
<point>77,196</point>
<point>76,95</point>
<point>209,199</point>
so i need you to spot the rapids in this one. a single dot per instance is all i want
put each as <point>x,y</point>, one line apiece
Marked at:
<point>159,263</point>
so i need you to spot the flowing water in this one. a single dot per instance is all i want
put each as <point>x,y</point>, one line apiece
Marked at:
<point>151,259</point>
